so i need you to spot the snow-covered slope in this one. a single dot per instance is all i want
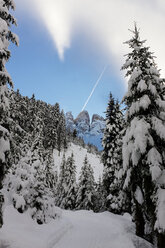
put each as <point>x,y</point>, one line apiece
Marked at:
<point>79,155</point>
<point>91,132</point>
<point>75,229</point>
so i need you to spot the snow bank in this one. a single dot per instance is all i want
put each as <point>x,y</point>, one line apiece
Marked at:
<point>20,231</point>
<point>76,229</point>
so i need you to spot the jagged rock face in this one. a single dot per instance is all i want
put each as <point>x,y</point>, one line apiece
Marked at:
<point>84,117</point>
<point>90,132</point>
<point>69,116</point>
<point>70,125</point>
<point>98,124</point>
<point>96,117</point>
<point>83,122</point>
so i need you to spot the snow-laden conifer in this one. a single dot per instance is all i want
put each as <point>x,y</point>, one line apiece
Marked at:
<point>61,133</point>
<point>61,187</point>
<point>19,183</point>
<point>6,20</point>
<point>144,139</point>
<point>28,190</point>
<point>86,187</point>
<point>67,187</point>
<point>100,197</point>
<point>42,205</point>
<point>69,201</point>
<point>112,155</point>
<point>51,120</point>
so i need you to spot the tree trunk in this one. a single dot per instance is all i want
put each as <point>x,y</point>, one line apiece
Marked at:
<point>160,240</point>
<point>1,195</point>
<point>1,209</point>
<point>139,220</point>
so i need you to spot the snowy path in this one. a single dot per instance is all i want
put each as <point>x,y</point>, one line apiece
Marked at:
<point>91,230</point>
<point>79,229</point>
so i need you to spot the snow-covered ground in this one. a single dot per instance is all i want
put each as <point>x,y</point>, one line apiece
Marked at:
<point>79,155</point>
<point>75,229</point>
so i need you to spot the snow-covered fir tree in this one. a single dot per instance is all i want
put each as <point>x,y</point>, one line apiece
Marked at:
<point>67,187</point>
<point>61,133</point>
<point>61,187</point>
<point>86,187</point>
<point>19,183</point>
<point>50,174</point>
<point>69,201</point>
<point>144,140</point>
<point>50,127</point>
<point>27,188</point>
<point>42,205</point>
<point>19,137</point>
<point>117,200</point>
<point>100,197</point>
<point>6,20</point>
<point>112,155</point>
<point>106,138</point>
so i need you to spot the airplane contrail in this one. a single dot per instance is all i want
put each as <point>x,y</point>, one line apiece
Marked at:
<point>98,80</point>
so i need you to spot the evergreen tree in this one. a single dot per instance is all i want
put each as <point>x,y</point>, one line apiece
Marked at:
<point>100,197</point>
<point>112,154</point>
<point>74,133</point>
<point>86,187</point>
<point>69,201</point>
<point>31,109</point>
<point>27,188</point>
<point>56,110</point>
<point>42,202</point>
<point>18,135</point>
<point>61,133</point>
<point>50,174</point>
<point>67,188</point>
<point>19,183</point>
<point>50,128</point>
<point>106,137</point>
<point>6,20</point>
<point>144,139</point>
<point>61,187</point>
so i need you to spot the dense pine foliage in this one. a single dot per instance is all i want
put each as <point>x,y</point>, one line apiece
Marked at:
<point>86,191</point>
<point>134,148</point>
<point>112,156</point>
<point>6,20</point>
<point>144,140</point>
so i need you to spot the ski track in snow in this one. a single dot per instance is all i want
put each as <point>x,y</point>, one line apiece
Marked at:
<point>91,230</point>
<point>57,236</point>
<point>75,229</point>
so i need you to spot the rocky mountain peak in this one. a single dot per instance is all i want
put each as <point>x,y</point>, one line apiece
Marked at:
<point>96,117</point>
<point>70,121</point>
<point>90,132</point>
<point>83,117</point>
<point>69,116</point>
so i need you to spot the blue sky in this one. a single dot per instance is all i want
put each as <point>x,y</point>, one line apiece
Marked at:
<point>63,65</point>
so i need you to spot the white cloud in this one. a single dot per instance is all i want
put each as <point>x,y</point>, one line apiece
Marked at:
<point>107,20</point>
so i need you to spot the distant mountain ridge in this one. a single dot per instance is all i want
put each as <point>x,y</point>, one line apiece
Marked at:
<point>90,131</point>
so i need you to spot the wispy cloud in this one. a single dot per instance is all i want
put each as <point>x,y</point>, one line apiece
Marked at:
<point>106,20</point>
